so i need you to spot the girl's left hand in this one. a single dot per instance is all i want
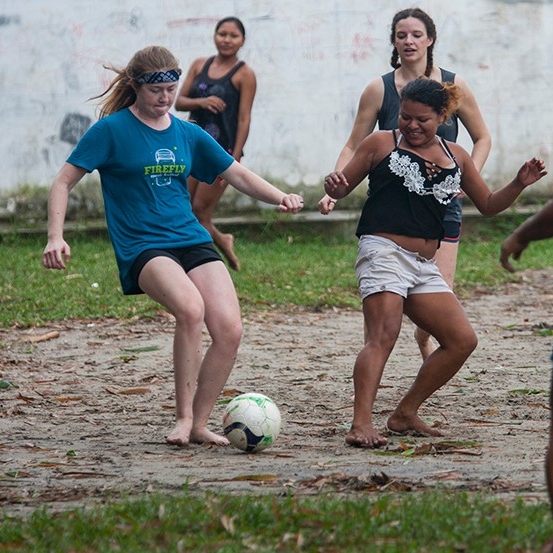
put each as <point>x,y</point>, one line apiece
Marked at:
<point>336,185</point>
<point>532,171</point>
<point>291,203</point>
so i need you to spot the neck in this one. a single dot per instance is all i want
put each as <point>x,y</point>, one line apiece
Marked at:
<point>424,146</point>
<point>409,71</point>
<point>224,60</point>
<point>159,123</point>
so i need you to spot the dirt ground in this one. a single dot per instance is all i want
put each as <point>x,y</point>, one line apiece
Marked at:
<point>85,406</point>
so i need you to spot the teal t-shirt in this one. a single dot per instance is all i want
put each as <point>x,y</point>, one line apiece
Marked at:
<point>144,183</point>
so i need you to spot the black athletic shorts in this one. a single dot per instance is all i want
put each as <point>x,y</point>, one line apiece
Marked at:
<point>452,232</point>
<point>187,258</point>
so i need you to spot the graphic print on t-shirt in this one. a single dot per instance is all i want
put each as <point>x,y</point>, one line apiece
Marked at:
<point>166,167</point>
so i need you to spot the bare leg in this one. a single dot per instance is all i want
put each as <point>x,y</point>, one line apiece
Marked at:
<point>204,202</point>
<point>442,316</point>
<point>206,294</point>
<point>383,314</point>
<point>222,318</point>
<point>446,260</point>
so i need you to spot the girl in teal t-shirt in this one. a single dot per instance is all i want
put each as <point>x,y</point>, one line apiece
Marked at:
<point>144,156</point>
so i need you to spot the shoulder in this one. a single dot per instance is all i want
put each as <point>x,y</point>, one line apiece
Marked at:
<point>185,126</point>
<point>112,121</point>
<point>244,76</point>
<point>373,92</point>
<point>456,79</point>
<point>197,65</point>
<point>460,154</point>
<point>448,76</point>
<point>387,77</point>
<point>382,141</point>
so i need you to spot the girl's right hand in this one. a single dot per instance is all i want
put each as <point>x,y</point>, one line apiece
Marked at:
<point>214,104</point>
<point>326,204</point>
<point>55,254</point>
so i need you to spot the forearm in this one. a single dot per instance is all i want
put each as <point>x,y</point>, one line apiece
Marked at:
<point>252,185</point>
<point>185,103</point>
<point>480,152</point>
<point>57,208</point>
<point>503,198</point>
<point>241,136</point>
<point>538,227</point>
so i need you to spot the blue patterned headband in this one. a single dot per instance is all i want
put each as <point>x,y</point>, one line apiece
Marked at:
<point>159,77</point>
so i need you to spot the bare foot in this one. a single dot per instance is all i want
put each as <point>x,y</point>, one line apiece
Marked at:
<point>205,436</point>
<point>180,435</point>
<point>368,437</point>
<point>404,425</point>
<point>426,346</point>
<point>225,242</point>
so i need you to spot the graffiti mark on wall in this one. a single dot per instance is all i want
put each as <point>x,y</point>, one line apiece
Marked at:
<point>73,126</point>
<point>6,20</point>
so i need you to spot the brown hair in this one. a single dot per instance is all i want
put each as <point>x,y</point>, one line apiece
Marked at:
<point>427,21</point>
<point>121,92</point>
<point>443,98</point>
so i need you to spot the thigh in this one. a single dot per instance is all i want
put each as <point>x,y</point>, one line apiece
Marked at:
<point>383,313</point>
<point>167,283</point>
<point>440,314</point>
<point>217,290</point>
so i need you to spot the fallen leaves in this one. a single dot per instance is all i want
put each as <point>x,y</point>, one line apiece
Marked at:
<point>128,391</point>
<point>342,482</point>
<point>439,448</point>
<point>36,338</point>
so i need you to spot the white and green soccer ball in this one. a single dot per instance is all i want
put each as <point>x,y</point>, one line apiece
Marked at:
<point>251,422</point>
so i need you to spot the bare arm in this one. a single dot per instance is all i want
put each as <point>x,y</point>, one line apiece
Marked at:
<point>247,86</point>
<point>488,202</point>
<point>57,251</point>
<point>372,149</point>
<point>471,118</point>
<point>537,227</point>
<point>368,109</point>
<point>253,185</point>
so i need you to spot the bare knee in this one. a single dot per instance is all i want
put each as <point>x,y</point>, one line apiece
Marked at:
<point>465,342</point>
<point>189,314</point>
<point>227,333</point>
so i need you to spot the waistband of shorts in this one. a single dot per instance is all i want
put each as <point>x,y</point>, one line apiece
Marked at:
<point>392,244</point>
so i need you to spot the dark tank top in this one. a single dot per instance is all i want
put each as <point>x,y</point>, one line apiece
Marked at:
<point>388,120</point>
<point>405,199</point>
<point>221,126</point>
<point>389,112</point>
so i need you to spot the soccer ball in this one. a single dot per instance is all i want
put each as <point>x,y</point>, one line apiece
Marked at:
<point>251,422</point>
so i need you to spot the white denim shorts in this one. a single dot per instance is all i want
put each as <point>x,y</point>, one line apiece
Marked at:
<point>383,266</point>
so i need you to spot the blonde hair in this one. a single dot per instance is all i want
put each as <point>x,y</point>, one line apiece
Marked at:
<point>121,92</point>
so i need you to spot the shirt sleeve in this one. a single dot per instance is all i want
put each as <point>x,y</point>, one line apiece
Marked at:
<point>209,159</point>
<point>93,149</point>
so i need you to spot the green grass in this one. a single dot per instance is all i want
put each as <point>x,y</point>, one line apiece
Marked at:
<point>401,523</point>
<point>279,274</point>
<point>282,273</point>
<point>287,271</point>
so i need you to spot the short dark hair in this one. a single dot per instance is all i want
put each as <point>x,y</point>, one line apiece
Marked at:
<point>232,19</point>
<point>443,98</point>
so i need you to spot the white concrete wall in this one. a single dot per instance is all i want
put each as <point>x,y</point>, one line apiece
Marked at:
<point>312,59</point>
